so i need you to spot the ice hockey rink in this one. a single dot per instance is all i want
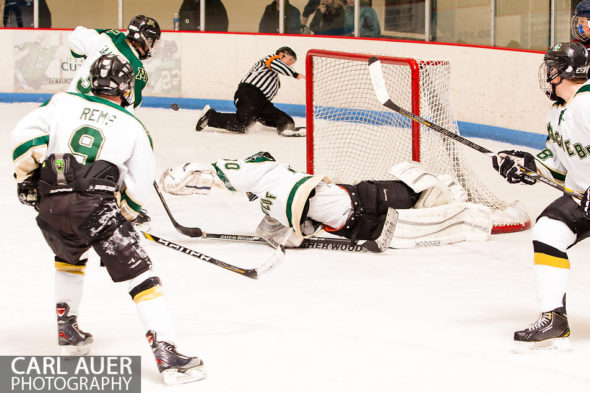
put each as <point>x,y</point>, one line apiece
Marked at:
<point>419,320</point>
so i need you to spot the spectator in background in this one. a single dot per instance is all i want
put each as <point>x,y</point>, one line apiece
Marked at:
<point>368,20</point>
<point>269,23</point>
<point>215,15</point>
<point>580,23</point>
<point>309,9</point>
<point>19,13</point>
<point>12,7</point>
<point>328,18</point>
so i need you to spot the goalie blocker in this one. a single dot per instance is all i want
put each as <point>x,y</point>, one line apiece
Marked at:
<point>419,209</point>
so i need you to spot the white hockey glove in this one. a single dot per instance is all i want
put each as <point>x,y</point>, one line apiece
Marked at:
<point>187,179</point>
<point>509,163</point>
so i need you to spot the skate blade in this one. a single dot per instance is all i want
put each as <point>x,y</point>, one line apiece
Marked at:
<point>75,350</point>
<point>561,344</point>
<point>174,377</point>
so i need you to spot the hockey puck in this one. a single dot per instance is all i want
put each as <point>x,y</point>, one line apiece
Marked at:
<point>174,107</point>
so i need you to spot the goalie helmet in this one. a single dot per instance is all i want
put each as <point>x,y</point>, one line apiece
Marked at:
<point>112,75</point>
<point>580,23</point>
<point>568,60</point>
<point>146,32</point>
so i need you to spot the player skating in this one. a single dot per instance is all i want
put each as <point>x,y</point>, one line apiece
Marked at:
<point>71,156</point>
<point>141,40</point>
<point>563,77</point>
<point>254,95</point>
<point>429,209</point>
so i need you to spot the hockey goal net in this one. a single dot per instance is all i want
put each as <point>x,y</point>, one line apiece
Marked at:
<point>352,137</point>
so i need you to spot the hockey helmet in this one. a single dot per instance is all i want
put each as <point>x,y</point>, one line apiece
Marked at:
<point>112,75</point>
<point>146,32</point>
<point>286,50</point>
<point>568,60</point>
<point>580,23</point>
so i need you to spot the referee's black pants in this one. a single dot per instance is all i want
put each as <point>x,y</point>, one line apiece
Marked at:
<point>252,106</point>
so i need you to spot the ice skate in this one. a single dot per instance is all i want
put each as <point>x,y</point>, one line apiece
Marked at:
<point>550,332</point>
<point>175,367</point>
<point>72,340</point>
<point>203,119</point>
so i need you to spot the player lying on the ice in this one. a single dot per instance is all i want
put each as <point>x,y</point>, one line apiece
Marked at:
<point>430,210</point>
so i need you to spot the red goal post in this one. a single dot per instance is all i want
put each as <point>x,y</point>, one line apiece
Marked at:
<point>352,137</point>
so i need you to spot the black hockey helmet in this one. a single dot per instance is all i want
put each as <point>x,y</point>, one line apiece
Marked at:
<point>146,32</point>
<point>112,75</point>
<point>568,60</point>
<point>286,50</point>
<point>580,21</point>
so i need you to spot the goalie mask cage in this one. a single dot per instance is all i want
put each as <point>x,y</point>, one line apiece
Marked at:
<point>352,137</point>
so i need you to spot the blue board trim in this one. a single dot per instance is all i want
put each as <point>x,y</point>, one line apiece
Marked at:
<point>467,129</point>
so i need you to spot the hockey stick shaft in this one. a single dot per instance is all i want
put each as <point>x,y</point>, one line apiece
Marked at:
<point>188,231</point>
<point>250,273</point>
<point>376,74</point>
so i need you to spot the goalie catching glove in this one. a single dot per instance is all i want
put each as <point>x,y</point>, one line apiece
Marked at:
<point>509,164</point>
<point>187,179</point>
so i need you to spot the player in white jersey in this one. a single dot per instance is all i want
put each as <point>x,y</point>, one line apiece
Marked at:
<point>142,39</point>
<point>71,157</point>
<point>300,204</point>
<point>563,77</point>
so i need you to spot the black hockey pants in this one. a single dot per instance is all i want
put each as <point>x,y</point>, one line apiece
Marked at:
<point>252,106</point>
<point>75,214</point>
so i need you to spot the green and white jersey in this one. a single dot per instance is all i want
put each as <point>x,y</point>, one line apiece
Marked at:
<point>91,44</point>
<point>91,128</point>
<point>282,191</point>
<point>567,155</point>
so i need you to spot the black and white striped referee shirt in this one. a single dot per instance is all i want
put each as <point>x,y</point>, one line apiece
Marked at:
<point>264,75</point>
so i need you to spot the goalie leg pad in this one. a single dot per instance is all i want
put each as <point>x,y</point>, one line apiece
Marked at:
<point>436,189</point>
<point>440,225</point>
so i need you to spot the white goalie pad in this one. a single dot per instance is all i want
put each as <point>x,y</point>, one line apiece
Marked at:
<point>187,179</point>
<point>435,226</point>
<point>436,189</point>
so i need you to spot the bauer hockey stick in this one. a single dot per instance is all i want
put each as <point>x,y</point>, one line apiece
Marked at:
<point>271,262</point>
<point>191,232</point>
<point>378,81</point>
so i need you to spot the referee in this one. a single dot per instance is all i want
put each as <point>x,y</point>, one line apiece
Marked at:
<point>254,95</point>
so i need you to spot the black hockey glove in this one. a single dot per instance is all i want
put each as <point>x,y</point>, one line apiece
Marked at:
<point>509,163</point>
<point>585,203</point>
<point>28,193</point>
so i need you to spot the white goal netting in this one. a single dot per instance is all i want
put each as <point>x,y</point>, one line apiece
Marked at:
<point>352,137</point>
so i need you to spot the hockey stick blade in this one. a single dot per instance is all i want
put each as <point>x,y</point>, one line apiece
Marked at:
<point>376,73</point>
<point>271,262</point>
<point>384,240</point>
<point>188,231</point>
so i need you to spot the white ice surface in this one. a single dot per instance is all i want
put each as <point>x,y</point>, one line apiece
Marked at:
<point>425,320</point>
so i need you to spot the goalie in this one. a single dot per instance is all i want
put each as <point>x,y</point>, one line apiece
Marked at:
<point>419,210</point>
